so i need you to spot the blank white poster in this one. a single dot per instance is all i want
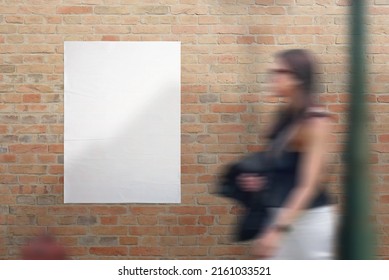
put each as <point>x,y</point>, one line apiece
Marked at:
<point>122,122</point>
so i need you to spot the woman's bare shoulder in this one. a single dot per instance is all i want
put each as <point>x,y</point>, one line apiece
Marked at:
<point>316,129</point>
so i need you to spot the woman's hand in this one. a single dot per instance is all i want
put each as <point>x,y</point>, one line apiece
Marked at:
<point>251,182</point>
<point>267,244</point>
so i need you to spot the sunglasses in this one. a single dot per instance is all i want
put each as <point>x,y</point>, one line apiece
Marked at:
<point>280,71</point>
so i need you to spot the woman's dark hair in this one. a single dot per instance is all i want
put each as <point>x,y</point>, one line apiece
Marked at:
<point>302,65</point>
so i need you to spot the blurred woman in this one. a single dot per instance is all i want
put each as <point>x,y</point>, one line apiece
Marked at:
<point>303,223</point>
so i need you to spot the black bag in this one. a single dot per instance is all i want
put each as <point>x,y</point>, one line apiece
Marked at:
<point>257,218</point>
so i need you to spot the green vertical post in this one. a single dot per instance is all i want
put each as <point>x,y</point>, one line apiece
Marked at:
<point>356,240</point>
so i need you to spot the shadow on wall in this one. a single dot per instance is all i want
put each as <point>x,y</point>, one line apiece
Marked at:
<point>114,166</point>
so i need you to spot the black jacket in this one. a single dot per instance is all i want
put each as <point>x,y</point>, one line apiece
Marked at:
<point>256,217</point>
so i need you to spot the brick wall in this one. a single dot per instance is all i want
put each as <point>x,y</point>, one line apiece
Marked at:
<point>227,46</point>
<point>378,97</point>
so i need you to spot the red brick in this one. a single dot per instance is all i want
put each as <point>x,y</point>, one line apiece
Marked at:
<point>31,98</point>
<point>7,199</point>
<point>109,230</point>
<point>56,148</point>
<point>29,129</point>
<point>228,108</point>
<point>192,169</point>
<point>110,38</point>
<point>246,40</point>
<point>190,251</point>
<point>8,179</point>
<point>226,128</point>
<point>127,240</point>
<point>193,108</point>
<point>147,210</point>
<point>108,210</point>
<point>28,169</point>
<point>33,88</point>
<point>110,220</point>
<point>31,108</point>
<point>68,230</point>
<point>229,29</point>
<point>149,241</point>
<point>188,230</point>
<point>206,220</point>
<point>67,210</point>
<point>189,29</point>
<point>27,159</point>
<point>7,158</point>
<point>384,138</point>
<point>49,179</point>
<point>109,251</point>
<point>384,199</point>
<point>382,148</point>
<point>56,169</point>
<point>187,210</point>
<point>147,230</point>
<point>147,251</point>
<point>220,230</point>
<point>192,128</point>
<point>46,220</point>
<point>28,148</point>
<point>167,220</point>
<point>74,10</point>
<point>228,251</point>
<point>47,158</point>
<point>206,179</point>
<point>147,220</point>
<point>187,220</point>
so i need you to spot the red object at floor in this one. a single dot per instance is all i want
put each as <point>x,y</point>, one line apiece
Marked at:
<point>43,248</point>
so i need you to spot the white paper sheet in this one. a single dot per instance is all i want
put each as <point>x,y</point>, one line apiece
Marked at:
<point>122,122</point>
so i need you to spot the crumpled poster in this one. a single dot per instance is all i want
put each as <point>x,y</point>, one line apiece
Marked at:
<point>122,122</point>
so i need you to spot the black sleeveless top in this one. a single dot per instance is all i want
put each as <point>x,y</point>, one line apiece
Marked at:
<point>283,177</point>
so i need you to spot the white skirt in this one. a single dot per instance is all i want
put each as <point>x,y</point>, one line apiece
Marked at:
<point>312,236</point>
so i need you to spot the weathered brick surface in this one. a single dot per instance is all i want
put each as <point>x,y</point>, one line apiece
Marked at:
<point>227,47</point>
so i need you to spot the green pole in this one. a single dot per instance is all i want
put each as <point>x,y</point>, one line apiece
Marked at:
<point>356,240</point>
